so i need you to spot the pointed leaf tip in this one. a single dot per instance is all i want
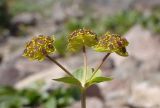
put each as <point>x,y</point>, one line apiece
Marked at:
<point>99,80</point>
<point>68,80</point>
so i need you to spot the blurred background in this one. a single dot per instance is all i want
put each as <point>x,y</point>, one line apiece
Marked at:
<point>26,84</point>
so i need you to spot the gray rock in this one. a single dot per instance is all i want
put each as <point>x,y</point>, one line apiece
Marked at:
<point>143,45</point>
<point>75,11</point>
<point>59,13</point>
<point>115,93</point>
<point>142,5</point>
<point>128,69</point>
<point>112,6</point>
<point>9,76</point>
<point>25,18</point>
<point>145,95</point>
<point>105,7</point>
<point>45,75</point>
<point>34,66</point>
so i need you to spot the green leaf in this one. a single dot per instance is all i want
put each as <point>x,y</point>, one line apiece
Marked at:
<point>68,80</point>
<point>98,80</point>
<point>79,74</point>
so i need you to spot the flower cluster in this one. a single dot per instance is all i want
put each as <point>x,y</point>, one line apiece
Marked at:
<point>42,45</point>
<point>39,47</point>
<point>112,43</point>
<point>80,38</point>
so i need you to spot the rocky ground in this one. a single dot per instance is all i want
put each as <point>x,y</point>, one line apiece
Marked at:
<point>136,81</point>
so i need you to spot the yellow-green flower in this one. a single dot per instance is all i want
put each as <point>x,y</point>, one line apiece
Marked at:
<point>39,47</point>
<point>80,38</point>
<point>112,43</point>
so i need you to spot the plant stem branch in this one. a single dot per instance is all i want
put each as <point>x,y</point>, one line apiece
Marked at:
<point>85,63</point>
<point>83,98</point>
<point>99,66</point>
<point>63,68</point>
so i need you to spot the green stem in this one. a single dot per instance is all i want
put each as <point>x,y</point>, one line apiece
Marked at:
<point>85,63</point>
<point>103,60</point>
<point>63,68</point>
<point>83,98</point>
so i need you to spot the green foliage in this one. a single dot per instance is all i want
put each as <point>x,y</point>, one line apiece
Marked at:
<point>69,80</point>
<point>10,98</point>
<point>87,22</point>
<point>73,24</point>
<point>51,103</point>
<point>96,80</point>
<point>118,23</point>
<point>152,21</point>
<point>79,74</point>
<point>33,96</point>
<point>64,97</point>
<point>121,22</point>
<point>19,6</point>
<point>61,45</point>
<point>81,80</point>
<point>58,98</point>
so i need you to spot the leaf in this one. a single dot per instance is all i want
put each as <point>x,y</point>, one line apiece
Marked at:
<point>69,80</point>
<point>98,80</point>
<point>79,74</point>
